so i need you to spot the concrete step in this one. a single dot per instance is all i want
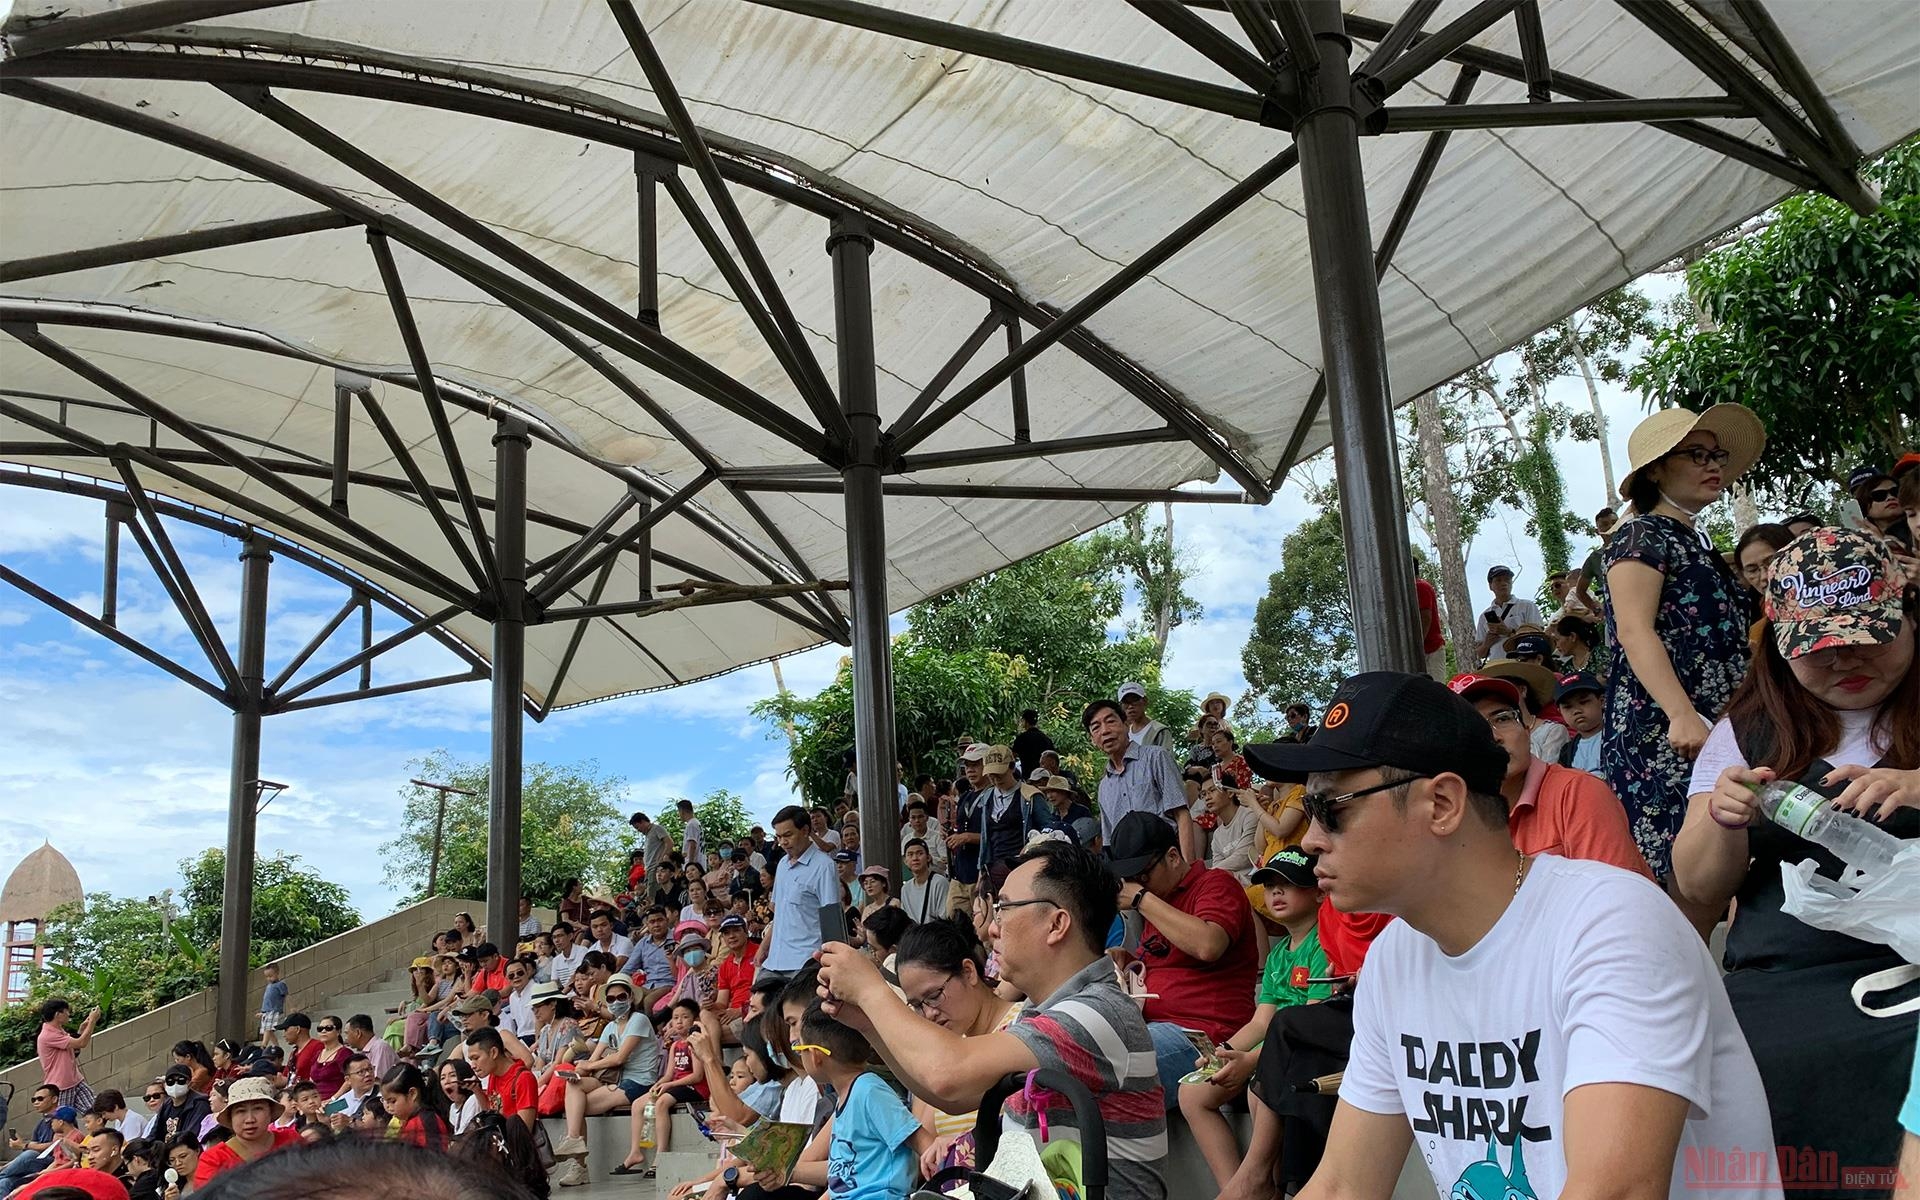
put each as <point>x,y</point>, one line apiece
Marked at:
<point>677,1166</point>
<point>373,1003</point>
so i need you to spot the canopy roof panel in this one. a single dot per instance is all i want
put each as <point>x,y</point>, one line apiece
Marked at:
<point>490,151</point>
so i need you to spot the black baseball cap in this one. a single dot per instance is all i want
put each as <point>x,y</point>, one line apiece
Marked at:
<point>1288,865</point>
<point>1579,681</point>
<point>1139,841</point>
<point>1530,643</point>
<point>1499,569</point>
<point>1391,719</point>
<point>295,1021</point>
<point>1864,474</point>
<point>732,921</point>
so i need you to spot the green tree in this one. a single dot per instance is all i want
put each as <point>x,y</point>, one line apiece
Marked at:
<point>1034,634</point>
<point>570,828</point>
<point>1302,642</point>
<point>1813,321</point>
<point>1149,559</point>
<point>722,815</point>
<point>292,907</point>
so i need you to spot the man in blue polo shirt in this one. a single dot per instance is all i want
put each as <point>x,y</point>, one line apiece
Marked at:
<point>804,881</point>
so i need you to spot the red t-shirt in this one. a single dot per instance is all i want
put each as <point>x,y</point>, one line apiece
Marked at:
<point>1346,937</point>
<point>304,1056</point>
<point>224,1157</point>
<point>1216,997</point>
<point>680,1065</point>
<point>427,1131</point>
<point>735,977</point>
<point>1432,638</point>
<point>509,1093</point>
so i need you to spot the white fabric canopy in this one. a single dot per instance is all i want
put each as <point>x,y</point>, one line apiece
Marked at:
<point>1044,184</point>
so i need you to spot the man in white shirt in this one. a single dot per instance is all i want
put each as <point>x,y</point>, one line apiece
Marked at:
<point>1536,1026</point>
<point>516,1015</point>
<point>600,924</point>
<point>1142,729</point>
<point>1503,614</point>
<point>923,894</point>
<point>920,825</point>
<point>567,953</point>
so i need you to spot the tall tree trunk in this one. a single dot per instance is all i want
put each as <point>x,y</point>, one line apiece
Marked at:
<point>1163,615</point>
<point>1445,516</point>
<point>779,682</point>
<point>1746,513</point>
<point>1599,414</point>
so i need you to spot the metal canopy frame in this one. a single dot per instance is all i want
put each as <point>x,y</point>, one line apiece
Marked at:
<point>1292,71</point>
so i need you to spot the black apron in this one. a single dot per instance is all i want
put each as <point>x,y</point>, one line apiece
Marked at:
<point>1834,1076</point>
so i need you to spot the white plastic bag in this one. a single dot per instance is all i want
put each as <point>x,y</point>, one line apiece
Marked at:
<point>1885,910</point>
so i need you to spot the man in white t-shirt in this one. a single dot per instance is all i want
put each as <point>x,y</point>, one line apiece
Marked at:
<point>1531,1026</point>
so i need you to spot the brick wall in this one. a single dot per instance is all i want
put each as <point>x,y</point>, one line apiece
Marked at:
<point>136,1050</point>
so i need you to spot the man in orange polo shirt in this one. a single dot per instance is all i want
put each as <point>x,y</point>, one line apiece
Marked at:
<point>1551,809</point>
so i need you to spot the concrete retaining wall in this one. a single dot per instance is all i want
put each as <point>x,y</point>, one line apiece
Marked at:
<point>128,1054</point>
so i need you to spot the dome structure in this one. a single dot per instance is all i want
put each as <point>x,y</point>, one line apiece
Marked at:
<point>42,882</point>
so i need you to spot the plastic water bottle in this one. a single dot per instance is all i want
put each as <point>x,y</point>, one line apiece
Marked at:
<point>646,1128</point>
<point>1862,845</point>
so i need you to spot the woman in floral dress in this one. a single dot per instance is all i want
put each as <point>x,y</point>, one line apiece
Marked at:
<point>1677,618</point>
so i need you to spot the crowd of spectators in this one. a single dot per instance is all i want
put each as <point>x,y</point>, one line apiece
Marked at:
<point>1468,908</point>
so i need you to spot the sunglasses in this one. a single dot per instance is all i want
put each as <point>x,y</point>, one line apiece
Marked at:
<point>1324,808</point>
<point>1881,494</point>
<point>326,1028</point>
<point>156,1097</point>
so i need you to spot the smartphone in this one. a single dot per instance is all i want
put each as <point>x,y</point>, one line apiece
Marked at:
<point>335,1106</point>
<point>833,924</point>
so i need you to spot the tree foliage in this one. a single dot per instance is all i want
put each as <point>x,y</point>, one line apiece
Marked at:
<point>292,907</point>
<point>1044,633</point>
<point>1302,643</point>
<point>722,815</point>
<point>1815,325</point>
<point>1149,559</point>
<point>570,828</point>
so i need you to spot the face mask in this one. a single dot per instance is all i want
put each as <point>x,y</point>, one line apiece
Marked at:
<point>177,1091</point>
<point>695,957</point>
<point>619,1008</point>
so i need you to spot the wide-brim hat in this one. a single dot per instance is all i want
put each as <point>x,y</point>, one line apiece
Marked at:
<point>1735,426</point>
<point>541,993</point>
<point>1057,783</point>
<point>250,1088</point>
<point>1212,696</point>
<point>1539,681</point>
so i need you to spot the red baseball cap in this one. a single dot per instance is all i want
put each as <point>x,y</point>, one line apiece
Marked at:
<point>97,1184</point>
<point>1470,685</point>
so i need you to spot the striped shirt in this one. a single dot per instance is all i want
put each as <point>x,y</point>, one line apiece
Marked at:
<point>1147,781</point>
<point>1092,1031</point>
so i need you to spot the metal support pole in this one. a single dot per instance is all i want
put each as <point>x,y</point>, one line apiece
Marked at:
<point>342,441</point>
<point>873,747</point>
<point>648,172</point>
<point>510,444</point>
<point>110,569</point>
<point>249,701</point>
<point>1354,356</point>
<point>366,640</point>
<point>643,549</point>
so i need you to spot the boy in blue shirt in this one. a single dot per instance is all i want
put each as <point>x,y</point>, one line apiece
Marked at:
<point>1584,706</point>
<point>876,1143</point>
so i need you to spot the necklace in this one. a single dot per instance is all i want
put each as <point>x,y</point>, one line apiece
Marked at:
<point>1520,873</point>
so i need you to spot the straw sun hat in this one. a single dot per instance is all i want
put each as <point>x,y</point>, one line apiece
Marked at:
<point>1735,426</point>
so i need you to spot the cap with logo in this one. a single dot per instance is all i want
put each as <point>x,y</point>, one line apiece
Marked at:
<point>998,761</point>
<point>975,752</point>
<point>845,856</point>
<point>1834,587</point>
<point>1472,687</point>
<point>1391,719</point>
<point>1535,644</point>
<point>1140,840</point>
<point>1574,684</point>
<point>1863,475</point>
<point>1131,688</point>
<point>732,921</point>
<point>1288,865</point>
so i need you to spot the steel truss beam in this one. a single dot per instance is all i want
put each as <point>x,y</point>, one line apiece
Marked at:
<point>139,250</point>
<point>153,541</point>
<point>1219,49</point>
<point>557,582</point>
<point>1025,450</point>
<point>647,608</point>
<point>995,491</point>
<point>126,22</point>
<point>1425,118</point>
<point>618,125</point>
<point>771,314</point>
<point>81,616</point>
<point>1434,47</point>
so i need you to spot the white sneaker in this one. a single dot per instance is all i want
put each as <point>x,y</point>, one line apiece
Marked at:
<point>570,1146</point>
<point>572,1173</point>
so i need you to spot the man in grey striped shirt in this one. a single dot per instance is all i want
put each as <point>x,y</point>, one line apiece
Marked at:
<point>1049,926</point>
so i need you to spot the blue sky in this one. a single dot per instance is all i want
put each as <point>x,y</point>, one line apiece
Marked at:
<point>125,769</point>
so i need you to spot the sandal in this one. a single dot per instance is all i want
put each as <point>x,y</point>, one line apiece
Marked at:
<point>624,1169</point>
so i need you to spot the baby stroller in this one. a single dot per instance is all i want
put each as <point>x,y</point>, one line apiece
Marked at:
<point>1092,1131</point>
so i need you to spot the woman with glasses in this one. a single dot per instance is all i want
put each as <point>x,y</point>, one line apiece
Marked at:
<point>329,1069</point>
<point>1677,618</point>
<point>943,974</point>
<point>1833,703</point>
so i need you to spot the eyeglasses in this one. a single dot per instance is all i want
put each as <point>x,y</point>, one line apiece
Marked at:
<point>1321,807</point>
<point>326,1028</point>
<point>1880,494</point>
<point>1505,717</point>
<point>1002,907</point>
<point>930,1000</point>
<point>1700,456</point>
